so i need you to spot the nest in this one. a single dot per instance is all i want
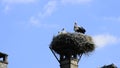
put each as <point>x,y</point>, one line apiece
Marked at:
<point>72,43</point>
<point>109,66</point>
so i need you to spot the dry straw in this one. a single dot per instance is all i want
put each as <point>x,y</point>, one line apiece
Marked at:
<point>72,43</point>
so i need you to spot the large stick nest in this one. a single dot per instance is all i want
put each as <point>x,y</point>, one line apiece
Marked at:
<point>109,66</point>
<point>72,43</point>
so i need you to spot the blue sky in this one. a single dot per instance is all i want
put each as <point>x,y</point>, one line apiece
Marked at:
<point>28,26</point>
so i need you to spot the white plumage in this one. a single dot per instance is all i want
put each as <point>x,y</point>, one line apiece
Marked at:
<point>63,31</point>
<point>79,29</point>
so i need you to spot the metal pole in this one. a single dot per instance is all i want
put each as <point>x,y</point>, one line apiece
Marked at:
<point>54,55</point>
<point>80,57</point>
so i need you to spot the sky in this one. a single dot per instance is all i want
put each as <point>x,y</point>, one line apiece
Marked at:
<point>28,26</point>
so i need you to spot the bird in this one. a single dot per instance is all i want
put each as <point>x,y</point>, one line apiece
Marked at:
<point>63,31</point>
<point>79,29</point>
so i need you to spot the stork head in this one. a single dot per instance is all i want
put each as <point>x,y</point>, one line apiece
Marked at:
<point>63,29</point>
<point>75,23</point>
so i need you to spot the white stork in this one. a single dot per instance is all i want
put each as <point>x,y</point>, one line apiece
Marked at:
<point>79,29</point>
<point>63,31</point>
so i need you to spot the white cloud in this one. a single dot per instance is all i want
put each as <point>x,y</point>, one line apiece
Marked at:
<point>112,18</point>
<point>48,9</point>
<point>17,1</point>
<point>76,1</point>
<point>8,4</point>
<point>34,21</point>
<point>104,39</point>
<point>6,9</point>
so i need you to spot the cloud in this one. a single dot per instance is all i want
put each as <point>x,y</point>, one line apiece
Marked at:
<point>48,9</point>
<point>34,20</point>
<point>8,4</point>
<point>104,40</point>
<point>39,18</point>
<point>37,22</point>
<point>17,1</point>
<point>75,1</point>
<point>6,9</point>
<point>111,18</point>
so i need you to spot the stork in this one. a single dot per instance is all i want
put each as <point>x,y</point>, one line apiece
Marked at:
<point>79,29</point>
<point>63,31</point>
